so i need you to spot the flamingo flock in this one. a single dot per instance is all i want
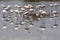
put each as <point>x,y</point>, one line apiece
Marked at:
<point>27,14</point>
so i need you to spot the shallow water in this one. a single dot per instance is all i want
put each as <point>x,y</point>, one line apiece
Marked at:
<point>50,34</point>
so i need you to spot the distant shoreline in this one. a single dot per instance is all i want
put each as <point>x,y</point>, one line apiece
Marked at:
<point>33,0</point>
